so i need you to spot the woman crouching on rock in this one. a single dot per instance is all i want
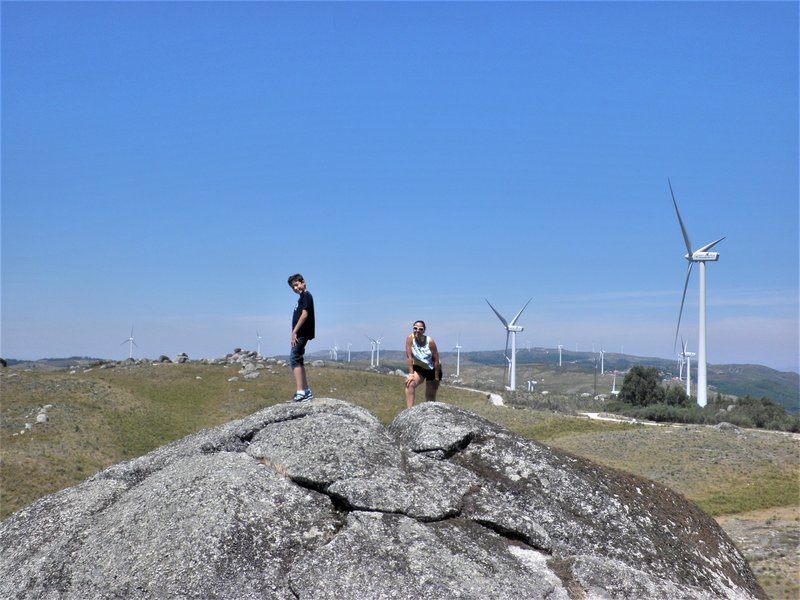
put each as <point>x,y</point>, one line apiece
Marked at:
<point>423,364</point>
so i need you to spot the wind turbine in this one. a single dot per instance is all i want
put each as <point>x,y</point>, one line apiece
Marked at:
<point>687,356</point>
<point>348,351</point>
<point>559,354</point>
<point>132,344</point>
<point>258,343</point>
<point>372,352</point>
<point>701,256</point>
<point>614,390</point>
<point>602,361</point>
<point>512,329</point>
<point>457,348</point>
<point>376,347</point>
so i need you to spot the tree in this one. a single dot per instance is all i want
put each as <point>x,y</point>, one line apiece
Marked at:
<point>676,396</point>
<point>642,387</point>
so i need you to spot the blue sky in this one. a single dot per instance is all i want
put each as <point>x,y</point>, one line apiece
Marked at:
<point>166,167</point>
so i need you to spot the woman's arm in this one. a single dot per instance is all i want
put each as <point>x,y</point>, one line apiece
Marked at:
<point>435,355</point>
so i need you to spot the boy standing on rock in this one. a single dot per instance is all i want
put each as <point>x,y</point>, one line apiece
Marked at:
<point>302,333</point>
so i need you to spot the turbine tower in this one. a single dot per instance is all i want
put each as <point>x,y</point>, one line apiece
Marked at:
<point>559,354</point>
<point>132,344</point>
<point>348,351</point>
<point>258,343</point>
<point>512,329</point>
<point>701,256</point>
<point>372,352</point>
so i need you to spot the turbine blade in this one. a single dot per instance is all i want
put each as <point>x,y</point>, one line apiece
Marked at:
<point>683,299</point>
<point>683,229</point>
<point>514,320</point>
<point>499,316</point>
<point>711,245</point>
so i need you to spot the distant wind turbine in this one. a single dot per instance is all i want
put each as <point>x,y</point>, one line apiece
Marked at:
<point>559,354</point>
<point>602,361</point>
<point>687,356</point>
<point>258,343</point>
<point>701,256</point>
<point>614,390</point>
<point>512,329</point>
<point>348,351</point>
<point>131,343</point>
<point>458,355</point>
<point>376,348</point>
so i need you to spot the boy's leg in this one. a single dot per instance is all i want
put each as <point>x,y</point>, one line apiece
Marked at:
<point>300,378</point>
<point>298,366</point>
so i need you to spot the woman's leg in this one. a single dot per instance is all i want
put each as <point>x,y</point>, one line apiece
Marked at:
<point>411,387</point>
<point>431,387</point>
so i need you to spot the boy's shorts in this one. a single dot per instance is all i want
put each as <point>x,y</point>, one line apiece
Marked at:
<point>297,353</point>
<point>429,374</point>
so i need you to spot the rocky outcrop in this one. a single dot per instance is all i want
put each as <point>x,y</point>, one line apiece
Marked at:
<point>318,500</point>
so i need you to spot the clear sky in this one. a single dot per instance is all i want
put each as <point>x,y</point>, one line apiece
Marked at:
<point>166,167</point>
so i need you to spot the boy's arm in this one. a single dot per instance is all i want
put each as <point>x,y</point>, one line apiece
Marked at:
<point>300,320</point>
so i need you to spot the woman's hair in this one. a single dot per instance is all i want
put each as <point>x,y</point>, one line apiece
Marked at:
<point>421,321</point>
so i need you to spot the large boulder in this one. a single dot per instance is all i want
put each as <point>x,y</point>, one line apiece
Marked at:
<point>318,500</point>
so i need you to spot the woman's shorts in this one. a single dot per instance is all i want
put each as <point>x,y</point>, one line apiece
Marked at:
<point>429,374</point>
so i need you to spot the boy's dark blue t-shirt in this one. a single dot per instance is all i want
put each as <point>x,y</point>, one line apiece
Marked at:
<point>304,301</point>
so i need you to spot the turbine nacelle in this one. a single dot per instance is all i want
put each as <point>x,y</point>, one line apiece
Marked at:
<point>702,256</point>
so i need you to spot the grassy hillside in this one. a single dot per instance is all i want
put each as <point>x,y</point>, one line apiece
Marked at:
<point>99,417</point>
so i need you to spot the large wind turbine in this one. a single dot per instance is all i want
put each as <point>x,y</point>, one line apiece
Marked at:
<point>701,256</point>
<point>512,329</point>
<point>258,343</point>
<point>132,344</point>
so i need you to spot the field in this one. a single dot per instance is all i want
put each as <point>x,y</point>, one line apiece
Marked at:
<point>748,480</point>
